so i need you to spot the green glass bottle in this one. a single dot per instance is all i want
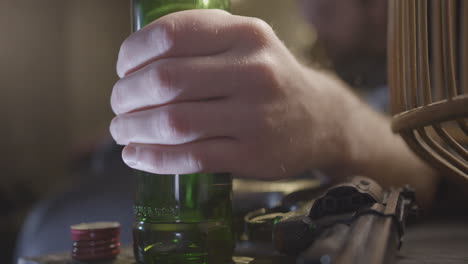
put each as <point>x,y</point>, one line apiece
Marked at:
<point>181,219</point>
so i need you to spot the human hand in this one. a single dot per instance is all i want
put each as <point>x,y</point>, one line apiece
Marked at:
<point>207,91</point>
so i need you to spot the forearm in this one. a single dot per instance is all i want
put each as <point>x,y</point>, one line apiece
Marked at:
<point>372,149</point>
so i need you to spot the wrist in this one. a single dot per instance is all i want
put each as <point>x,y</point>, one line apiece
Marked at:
<point>344,118</point>
<point>365,129</point>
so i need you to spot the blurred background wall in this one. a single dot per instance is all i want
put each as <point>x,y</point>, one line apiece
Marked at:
<point>57,69</point>
<point>34,107</point>
<point>56,72</point>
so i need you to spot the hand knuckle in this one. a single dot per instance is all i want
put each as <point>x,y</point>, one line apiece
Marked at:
<point>265,72</point>
<point>197,161</point>
<point>165,75</point>
<point>158,161</point>
<point>260,25</point>
<point>221,12</point>
<point>174,125</point>
<point>159,80</point>
<point>259,32</point>
<point>165,32</point>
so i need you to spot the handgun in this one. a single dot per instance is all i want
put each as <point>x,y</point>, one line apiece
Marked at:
<point>353,222</point>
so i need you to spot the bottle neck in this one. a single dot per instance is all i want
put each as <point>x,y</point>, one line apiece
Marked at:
<point>146,11</point>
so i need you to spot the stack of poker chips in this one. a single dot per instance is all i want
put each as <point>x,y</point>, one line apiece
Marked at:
<point>95,241</point>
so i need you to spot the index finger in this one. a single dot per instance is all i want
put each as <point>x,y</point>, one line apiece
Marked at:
<point>186,33</point>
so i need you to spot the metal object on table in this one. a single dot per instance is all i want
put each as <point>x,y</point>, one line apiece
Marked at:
<point>341,225</point>
<point>296,231</point>
<point>428,77</point>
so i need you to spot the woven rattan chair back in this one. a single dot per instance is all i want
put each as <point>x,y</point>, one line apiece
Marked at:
<point>428,77</point>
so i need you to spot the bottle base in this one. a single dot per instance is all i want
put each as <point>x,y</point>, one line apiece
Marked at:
<point>188,243</point>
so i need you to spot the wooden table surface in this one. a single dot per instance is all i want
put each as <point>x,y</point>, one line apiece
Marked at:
<point>442,241</point>
<point>434,242</point>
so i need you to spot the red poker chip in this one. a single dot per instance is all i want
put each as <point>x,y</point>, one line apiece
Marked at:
<point>95,226</point>
<point>94,243</point>
<point>96,256</point>
<point>95,231</point>
<point>93,236</point>
<point>80,250</point>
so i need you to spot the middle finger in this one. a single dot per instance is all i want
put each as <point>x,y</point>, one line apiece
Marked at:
<point>180,123</point>
<point>174,80</point>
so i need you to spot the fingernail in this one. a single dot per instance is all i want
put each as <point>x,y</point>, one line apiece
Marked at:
<point>129,155</point>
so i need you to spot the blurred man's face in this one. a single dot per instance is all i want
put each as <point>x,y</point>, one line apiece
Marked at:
<point>354,34</point>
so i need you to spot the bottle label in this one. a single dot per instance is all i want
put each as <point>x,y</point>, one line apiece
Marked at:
<point>155,213</point>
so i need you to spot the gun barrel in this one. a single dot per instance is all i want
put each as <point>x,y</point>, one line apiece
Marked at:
<point>373,239</point>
